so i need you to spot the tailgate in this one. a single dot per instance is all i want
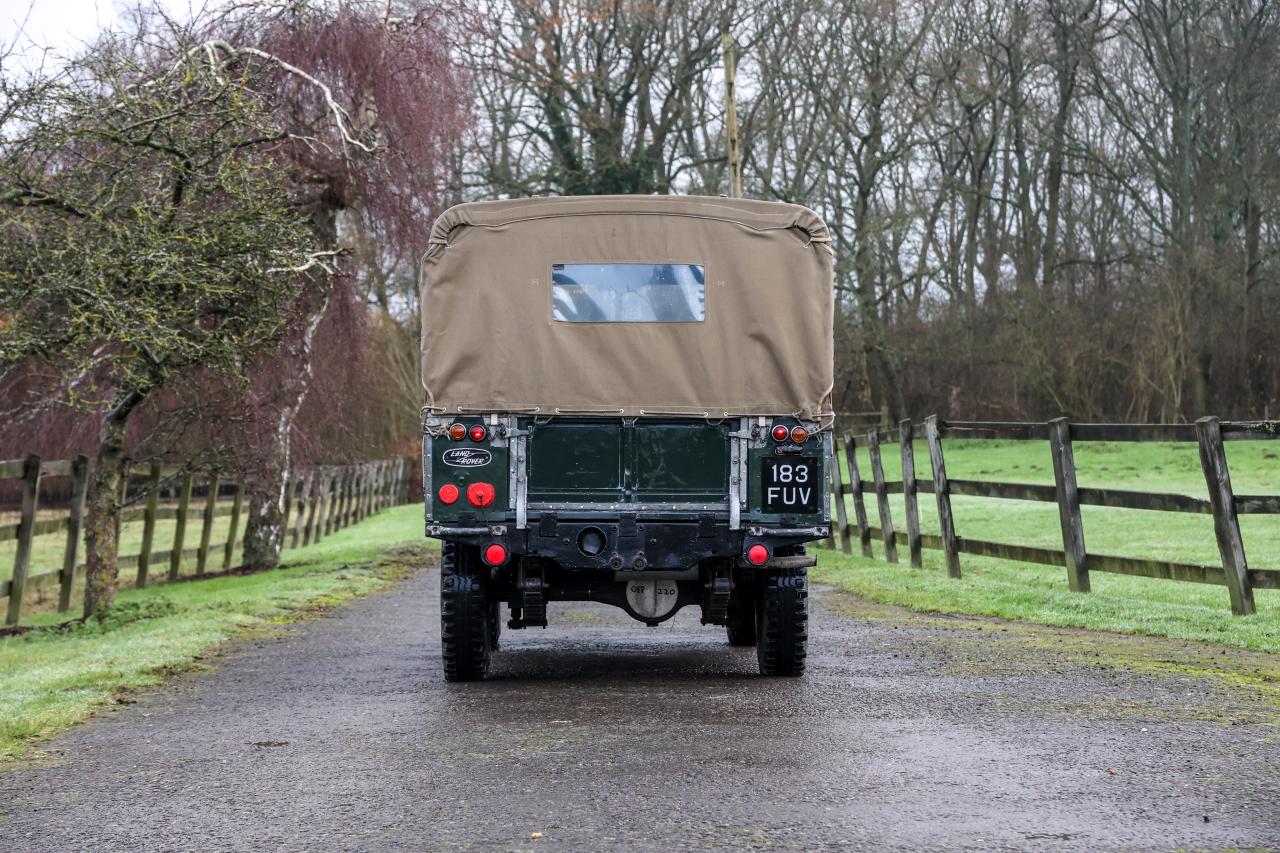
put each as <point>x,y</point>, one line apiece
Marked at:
<point>599,461</point>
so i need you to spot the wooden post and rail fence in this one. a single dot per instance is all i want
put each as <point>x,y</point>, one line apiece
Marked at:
<point>1209,434</point>
<point>319,501</point>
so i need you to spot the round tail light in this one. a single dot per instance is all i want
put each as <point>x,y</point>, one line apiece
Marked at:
<point>448,493</point>
<point>457,432</point>
<point>757,555</point>
<point>495,554</point>
<point>799,434</point>
<point>780,433</point>
<point>478,433</point>
<point>481,494</point>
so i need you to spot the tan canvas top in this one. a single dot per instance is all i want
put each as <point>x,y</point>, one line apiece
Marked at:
<point>492,341</point>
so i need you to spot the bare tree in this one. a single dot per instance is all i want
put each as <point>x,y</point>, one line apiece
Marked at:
<point>142,239</point>
<point>584,97</point>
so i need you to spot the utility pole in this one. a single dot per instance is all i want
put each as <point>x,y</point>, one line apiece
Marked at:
<point>731,121</point>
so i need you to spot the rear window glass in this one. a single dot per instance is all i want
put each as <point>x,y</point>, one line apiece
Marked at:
<point>628,293</point>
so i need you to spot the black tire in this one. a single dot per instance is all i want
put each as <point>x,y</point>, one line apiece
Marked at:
<point>466,638</point>
<point>782,622</point>
<point>741,624</point>
<point>495,625</point>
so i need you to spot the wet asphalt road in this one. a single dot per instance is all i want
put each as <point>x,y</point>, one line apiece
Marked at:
<point>907,733</point>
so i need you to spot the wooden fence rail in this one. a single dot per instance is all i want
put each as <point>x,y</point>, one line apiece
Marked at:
<point>1208,433</point>
<point>321,501</point>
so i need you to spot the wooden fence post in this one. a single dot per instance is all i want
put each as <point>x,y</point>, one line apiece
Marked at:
<point>1064,476</point>
<point>149,523</point>
<point>26,531</point>
<point>325,502</point>
<point>312,498</point>
<point>842,514</point>
<point>206,527</point>
<point>906,436</point>
<point>355,492</point>
<point>882,498</point>
<point>362,500</point>
<point>229,552</point>
<point>180,527</point>
<point>855,486</point>
<point>341,492</point>
<point>302,492</point>
<point>1226,524</point>
<point>342,479</point>
<point>347,514</point>
<point>322,485</point>
<point>351,474</point>
<point>357,474</point>
<point>942,491</point>
<point>290,488</point>
<point>324,480</point>
<point>75,521</point>
<point>366,489</point>
<point>335,501</point>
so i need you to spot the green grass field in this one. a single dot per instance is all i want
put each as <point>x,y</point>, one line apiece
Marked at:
<point>54,676</point>
<point>1039,593</point>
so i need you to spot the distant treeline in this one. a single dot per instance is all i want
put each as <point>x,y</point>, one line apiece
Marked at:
<point>1039,206</point>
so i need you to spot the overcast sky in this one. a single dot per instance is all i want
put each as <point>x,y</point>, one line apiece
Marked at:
<point>59,26</point>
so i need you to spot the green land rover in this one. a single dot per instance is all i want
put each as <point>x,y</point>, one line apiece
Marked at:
<point>629,402</point>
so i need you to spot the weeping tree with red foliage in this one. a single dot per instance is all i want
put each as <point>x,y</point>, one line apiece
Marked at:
<point>389,170</point>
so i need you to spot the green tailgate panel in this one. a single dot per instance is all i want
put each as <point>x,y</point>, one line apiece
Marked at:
<point>576,462</point>
<point>642,461</point>
<point>687,462</point>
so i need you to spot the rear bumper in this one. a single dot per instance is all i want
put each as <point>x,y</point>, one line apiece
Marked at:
<point>629,543</point>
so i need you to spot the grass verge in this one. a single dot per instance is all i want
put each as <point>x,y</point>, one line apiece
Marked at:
<point>1121,604</point>
<point>54,676</point>
<point>1118,603</point>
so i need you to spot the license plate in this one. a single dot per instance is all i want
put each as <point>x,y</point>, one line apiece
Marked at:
<point>790,485</point>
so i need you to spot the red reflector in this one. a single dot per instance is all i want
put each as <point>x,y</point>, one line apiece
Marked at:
<point>481,494</point>
<point>799,434</point>
<point>780,433</point>
<point>495,554</point>
<point>448,493</point>
<point>757,555</point>
<point>478,433</point>
<point>457,432</point>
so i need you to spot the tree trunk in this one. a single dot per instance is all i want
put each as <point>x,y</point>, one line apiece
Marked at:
<point>102,508</point>
<point>266,485</point>
<point>265,489</point>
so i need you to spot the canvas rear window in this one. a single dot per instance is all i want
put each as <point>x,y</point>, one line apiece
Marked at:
<point>628,293</point>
